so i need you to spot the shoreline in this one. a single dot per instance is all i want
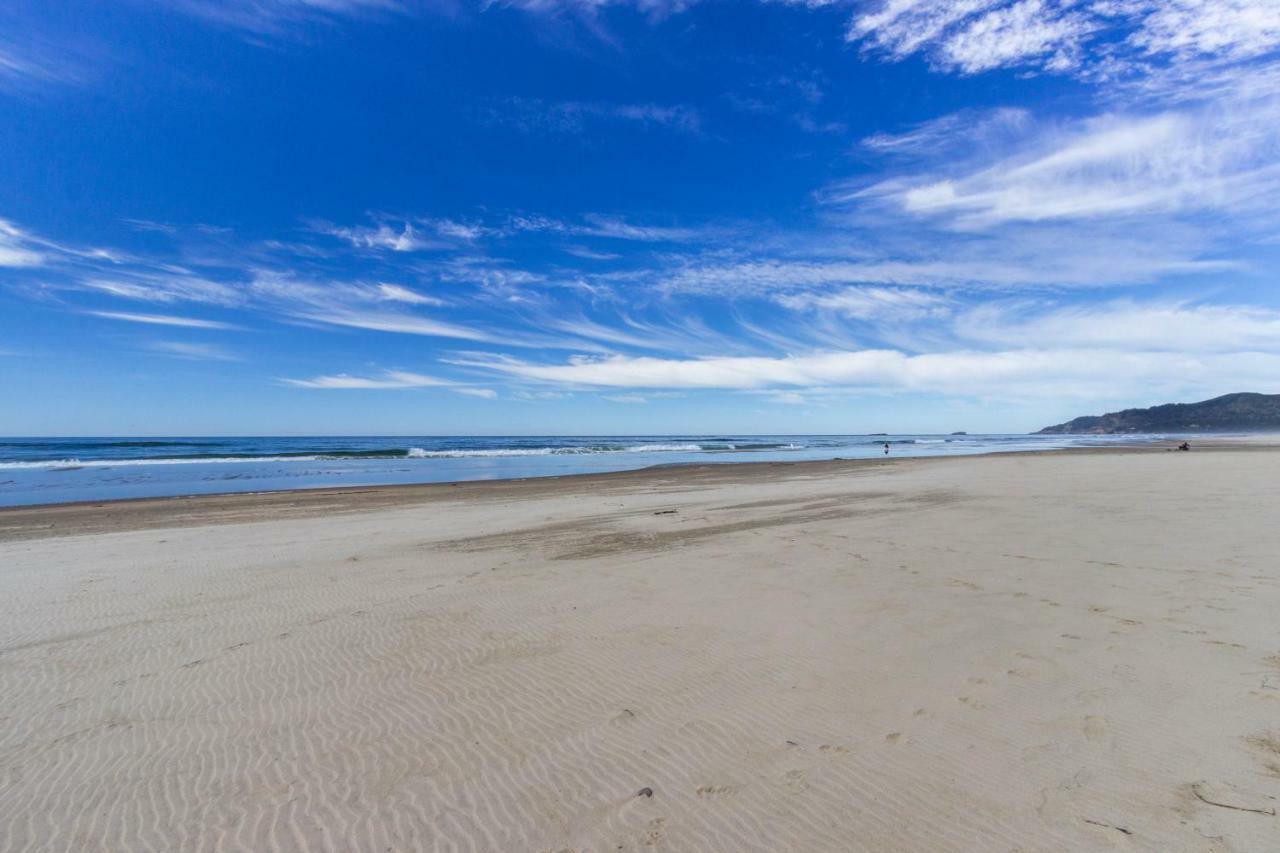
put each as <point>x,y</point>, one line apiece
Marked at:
<point>26,522</point>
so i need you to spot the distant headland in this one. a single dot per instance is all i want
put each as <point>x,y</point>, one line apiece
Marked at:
<point>1243,412</point>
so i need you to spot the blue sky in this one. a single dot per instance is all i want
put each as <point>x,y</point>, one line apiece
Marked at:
<point>582,216</point>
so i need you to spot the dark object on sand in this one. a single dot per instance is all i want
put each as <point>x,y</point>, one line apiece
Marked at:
<point>1184,446</point>
<point>644,792</point>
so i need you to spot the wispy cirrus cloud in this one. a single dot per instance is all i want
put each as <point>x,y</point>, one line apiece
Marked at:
<point>1017,257</point>
<point>382,236</point>
<point>192,351</point>
<point>33,61</point>
<point>408,235</point>
<point>1106,39</point>
<point>873,303</point>
<point>1149,325</point>
<point>266,17</point>
<point>1222,157</point>
<point>386,380</point>
<point>613,227</point>
<point>164,287</point>
<point>16,248</point>
<point>351,304</point>
<point>398,293</point>
<point>162,320</point>
<point>1021,372</point>
<point>482,393</point>
<point>953,132</point>
<point>535,115</point>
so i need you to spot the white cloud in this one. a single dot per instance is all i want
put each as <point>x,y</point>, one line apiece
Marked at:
<point>13,256</point>
<point>1221,157</point>
<point>532,115</point>
<point>262,17</point>
<point>963,129</point>
<point>1046,257</point>
<point>162,320</point>
<point>590,254</point>
<point>1014,35</point>
<point>396,293</point>
<point>467,232</point>
<point>1027,372</point>
<point>872,303</point>
<point>1239,29</point>
<point>165,288</point>
<point>1096,38</point>
<point>599,225</point>
<point>1133,325</point>
<point>34,61</point>
<point>193,352</point>
<point>404,324</point>
<point>348,304</point>
<point>15,250</point>
<point>382,236</point>
<point>610,227</point>
<point>387,380</point>
<point>482,393</point>
<point>625,398</point>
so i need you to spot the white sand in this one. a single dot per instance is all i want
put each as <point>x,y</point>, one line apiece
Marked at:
<point>1058,652</point>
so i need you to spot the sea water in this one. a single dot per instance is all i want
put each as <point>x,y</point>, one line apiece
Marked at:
<point>51,470</point>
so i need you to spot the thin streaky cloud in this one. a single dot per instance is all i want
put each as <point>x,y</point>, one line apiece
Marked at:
<point>1217,157</point>
<point>1030,372</point>
<point>1155,325</point>
<point>397,293</point>
<point>275,17</point>
<point>387,380</point>
<point>534,115</point>
<point>192,351</point>
<point>1093,40</point>
<point>162,320</point>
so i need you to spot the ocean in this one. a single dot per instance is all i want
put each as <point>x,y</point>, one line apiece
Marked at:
<point>55,470</point>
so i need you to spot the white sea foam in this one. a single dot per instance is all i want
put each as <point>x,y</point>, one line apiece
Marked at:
<point>419,453</point>
<point>172,460</point>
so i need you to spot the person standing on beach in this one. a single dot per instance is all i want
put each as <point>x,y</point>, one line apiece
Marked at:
<point>886,448</point>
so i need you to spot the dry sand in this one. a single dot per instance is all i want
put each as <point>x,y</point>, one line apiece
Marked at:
<point>1050,652</point>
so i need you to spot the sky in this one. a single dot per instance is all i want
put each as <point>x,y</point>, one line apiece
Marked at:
<point>438,217</point>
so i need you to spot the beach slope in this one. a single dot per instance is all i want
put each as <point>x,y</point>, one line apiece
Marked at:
<point>1073,651</point>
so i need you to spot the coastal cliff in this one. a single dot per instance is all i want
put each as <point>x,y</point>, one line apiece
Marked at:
<point>1243,412</point>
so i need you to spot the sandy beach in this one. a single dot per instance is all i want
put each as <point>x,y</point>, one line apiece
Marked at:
<point>1058,651</point>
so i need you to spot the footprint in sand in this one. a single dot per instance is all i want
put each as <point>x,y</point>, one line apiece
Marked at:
<point>1095,728</point>
<point>1269,747</point>
<point>657,832</point>
<point>710,791</point>
<point>794,779</point>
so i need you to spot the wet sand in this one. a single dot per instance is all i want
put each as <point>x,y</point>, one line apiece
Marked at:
<point>1055,651</point>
